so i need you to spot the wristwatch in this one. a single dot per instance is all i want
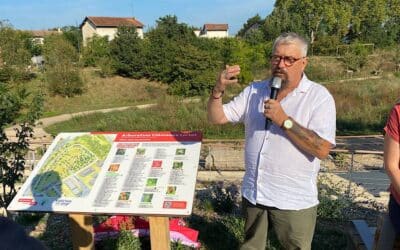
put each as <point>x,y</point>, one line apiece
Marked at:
<point>287,124</point>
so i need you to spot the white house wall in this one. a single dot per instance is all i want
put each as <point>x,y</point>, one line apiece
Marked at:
<point>88,31</point>
<point>110,32</point>
<point>216,34</point>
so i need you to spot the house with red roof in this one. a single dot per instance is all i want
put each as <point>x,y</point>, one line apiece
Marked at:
<point>107,26</point>
<point>212,30</point>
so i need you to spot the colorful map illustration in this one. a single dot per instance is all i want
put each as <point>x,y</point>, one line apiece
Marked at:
<point>72,168</point>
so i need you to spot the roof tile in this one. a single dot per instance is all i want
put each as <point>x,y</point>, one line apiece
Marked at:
<point>215,27</point>
<point>114,21</point>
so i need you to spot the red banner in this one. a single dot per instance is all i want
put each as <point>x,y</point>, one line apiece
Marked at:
<point>159,136</point>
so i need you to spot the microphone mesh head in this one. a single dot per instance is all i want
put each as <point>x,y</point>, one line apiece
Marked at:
<point>276,82</point>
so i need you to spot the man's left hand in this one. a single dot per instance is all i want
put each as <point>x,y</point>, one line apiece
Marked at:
<point>274,111</point>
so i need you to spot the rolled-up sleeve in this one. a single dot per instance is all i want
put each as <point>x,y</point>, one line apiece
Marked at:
<point>323,117</point>
<point>235,109</point>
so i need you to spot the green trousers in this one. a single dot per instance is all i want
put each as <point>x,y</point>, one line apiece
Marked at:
<point>294,228</point>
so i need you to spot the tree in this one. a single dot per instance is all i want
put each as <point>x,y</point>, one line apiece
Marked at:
<point>74,35</point>
<point>163,47</point>
<point>97,47</point>
<point>61,68</point>
<point>252,23</point>
<point>14,54</point>
<point>193,72</point>
<point>367,21</point>
<point>127,51</point>
<point>24,108</point>
<point>356,57</point>
<point>282,19</point>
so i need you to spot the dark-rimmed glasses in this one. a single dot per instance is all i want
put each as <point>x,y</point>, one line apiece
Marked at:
<point>287,60</point>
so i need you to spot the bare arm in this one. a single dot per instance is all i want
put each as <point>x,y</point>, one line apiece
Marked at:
<point>306,139</point>
<point>215,112</point>
<point>309,141</point>
<point>391,161</point>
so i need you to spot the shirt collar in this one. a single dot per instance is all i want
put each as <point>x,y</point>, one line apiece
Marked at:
<point>304,84</point>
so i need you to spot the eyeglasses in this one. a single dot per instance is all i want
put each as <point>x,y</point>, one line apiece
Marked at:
<point>287,60</point>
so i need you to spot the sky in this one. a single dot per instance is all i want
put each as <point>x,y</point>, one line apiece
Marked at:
<point>45,14</point>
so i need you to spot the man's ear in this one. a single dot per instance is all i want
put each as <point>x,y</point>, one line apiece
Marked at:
<point>304,62</point>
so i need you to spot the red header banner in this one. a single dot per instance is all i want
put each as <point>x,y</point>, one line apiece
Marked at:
<point>159,136</point>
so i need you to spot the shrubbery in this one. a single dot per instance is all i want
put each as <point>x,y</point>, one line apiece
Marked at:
<point>62,71</point>
<point>172,54</point>
<point>15,107</point>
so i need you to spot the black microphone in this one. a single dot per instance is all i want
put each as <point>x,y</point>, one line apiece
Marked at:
<point>275,87</point>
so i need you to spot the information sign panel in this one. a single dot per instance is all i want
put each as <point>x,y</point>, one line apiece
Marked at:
<point>146,173</point>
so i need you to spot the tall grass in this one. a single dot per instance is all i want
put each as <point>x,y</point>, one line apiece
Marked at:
<point>363,106</point>
<point>104,93</point>
<point>170,114</point>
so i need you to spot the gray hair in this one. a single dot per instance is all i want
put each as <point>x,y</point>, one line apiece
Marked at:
<point>291,38</point>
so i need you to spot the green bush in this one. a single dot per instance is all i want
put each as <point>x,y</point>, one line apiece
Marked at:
<point>15,107</point>
<point>124,241</point>
<point>325,45</point>
<point>220,198</point>
<point>61,68</point>
<point>15,54</point>
<point>356,57</point>
<point>64,80</point>
<point>127,53</point>
<point>96,49</point>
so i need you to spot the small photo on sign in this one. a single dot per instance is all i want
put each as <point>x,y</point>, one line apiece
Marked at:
<point>151,182</point>
<point>120,151</point>
<point>156,164</point>
<point>124,196</point>
<point>177,165</point>
<point>146,198</point>
<point>180,151</point>
<point>113,168</point>
<point>171,190</point>
<point>140,151</point>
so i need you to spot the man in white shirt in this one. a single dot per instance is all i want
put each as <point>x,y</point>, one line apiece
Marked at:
<point>282,159</point>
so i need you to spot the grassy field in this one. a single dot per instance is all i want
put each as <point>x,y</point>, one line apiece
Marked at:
<point>102,93</point>
<point>363,105</point>
<point>362,100</point>
<point>362,108</point>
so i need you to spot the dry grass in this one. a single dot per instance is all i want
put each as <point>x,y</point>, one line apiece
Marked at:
<point>105,93</point>
<point>363,105</point>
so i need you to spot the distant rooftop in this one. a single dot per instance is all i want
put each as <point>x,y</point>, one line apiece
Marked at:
<point>43,33</point>
<point>113,21</point>
<point>215,27</point>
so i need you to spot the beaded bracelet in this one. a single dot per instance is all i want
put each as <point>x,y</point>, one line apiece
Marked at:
<point>219,97</point>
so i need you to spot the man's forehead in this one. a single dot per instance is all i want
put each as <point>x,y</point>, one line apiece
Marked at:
<point>292,47</point>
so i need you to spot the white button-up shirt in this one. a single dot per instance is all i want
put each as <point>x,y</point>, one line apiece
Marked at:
<point>278,173</point>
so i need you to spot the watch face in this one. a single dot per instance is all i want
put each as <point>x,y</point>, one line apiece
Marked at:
<point>288,124</point>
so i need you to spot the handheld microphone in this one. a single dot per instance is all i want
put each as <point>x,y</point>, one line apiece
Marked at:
<point>275,87</point>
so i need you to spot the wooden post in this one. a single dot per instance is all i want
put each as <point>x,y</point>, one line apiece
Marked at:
<point>159,233</point>
<point>82,231</point>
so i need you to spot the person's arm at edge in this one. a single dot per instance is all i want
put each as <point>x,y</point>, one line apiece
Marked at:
<point>391,159</point>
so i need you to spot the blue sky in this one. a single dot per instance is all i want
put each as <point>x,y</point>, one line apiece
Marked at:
<point>44,14</point>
